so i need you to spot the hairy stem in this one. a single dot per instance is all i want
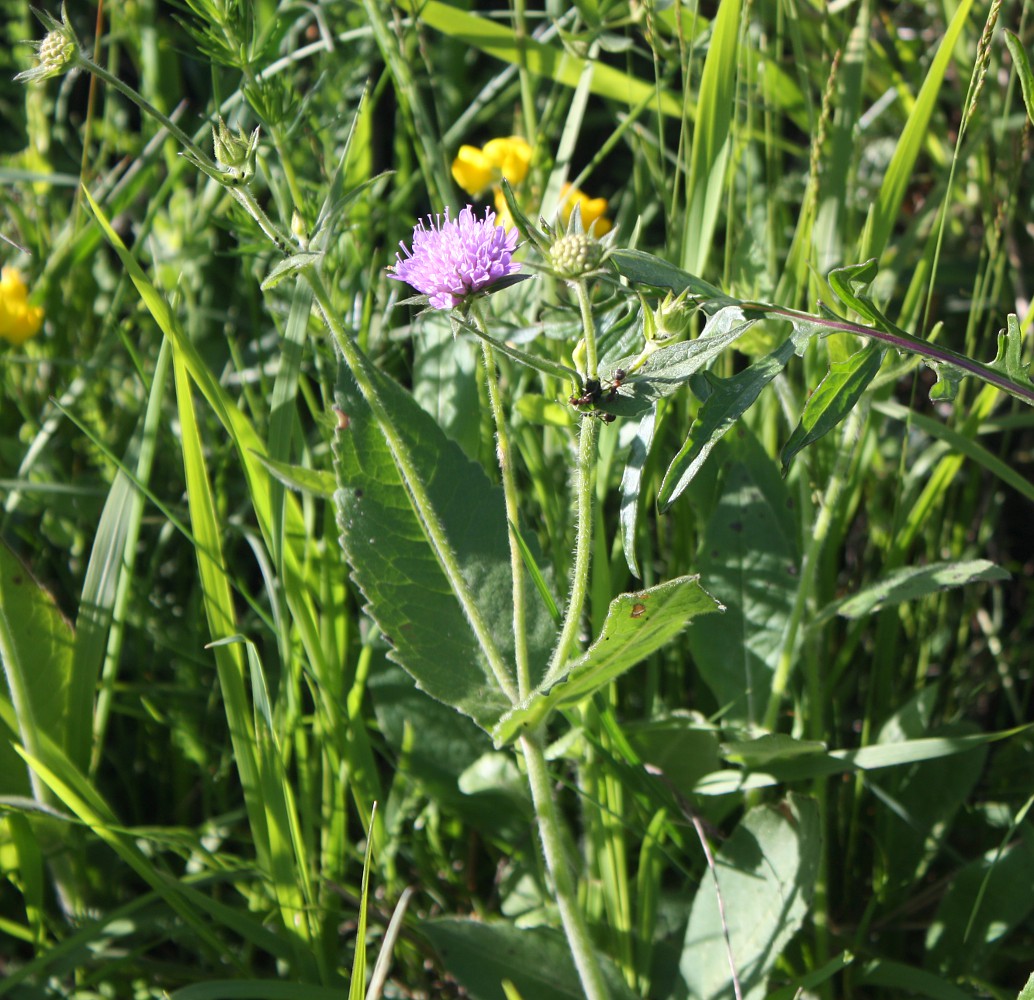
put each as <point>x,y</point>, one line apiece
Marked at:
<point>550,831</point>
<point>506,471</point>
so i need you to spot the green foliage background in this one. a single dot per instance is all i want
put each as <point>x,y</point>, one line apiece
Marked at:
<point>188,820</point>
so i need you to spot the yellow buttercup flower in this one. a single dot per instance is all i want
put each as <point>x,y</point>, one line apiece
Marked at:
<point>472,170</point>
<point>477,169</point>
<point>511,156</point>
<point>591,209</point>
<point>18,320</point>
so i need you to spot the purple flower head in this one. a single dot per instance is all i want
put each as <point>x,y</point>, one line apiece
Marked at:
<point>456,257</point>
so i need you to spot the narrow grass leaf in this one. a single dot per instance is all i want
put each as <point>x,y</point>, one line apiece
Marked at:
<point>551,61</point>
<point>314,482</point>
<point>73,791</point>
<point>833,399</point>
<point>884,213</point>
<point>357,985</point>
<point>909,583</point>
<point>36,647</point>
<point>218,604</point>
<point>712,137</point>
<point>1023,71</point>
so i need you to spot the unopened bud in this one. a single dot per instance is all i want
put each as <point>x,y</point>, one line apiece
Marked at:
<point>576,254</point>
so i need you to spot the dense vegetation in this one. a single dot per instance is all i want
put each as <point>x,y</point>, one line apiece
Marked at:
<point>738,703</point>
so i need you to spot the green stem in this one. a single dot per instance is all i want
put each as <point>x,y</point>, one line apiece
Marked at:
<point>149,109</point>
<point>583,492</point>
<point>550,831</point>
<point>505,455</point>
<point>364,374</point>
<point>592,363</point>
<point>243,196</point>
<point>582,548</point>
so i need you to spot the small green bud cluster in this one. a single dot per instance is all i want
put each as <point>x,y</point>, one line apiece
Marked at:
<point>673,318</point>
<point>57,53</point>
<point>235,154</point>
<point>575,255</point>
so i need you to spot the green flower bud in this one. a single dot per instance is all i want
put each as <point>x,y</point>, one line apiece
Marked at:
<point>235,154</point>
<point>575,255</point>
<point>672,318</point>
<point>57,53</point>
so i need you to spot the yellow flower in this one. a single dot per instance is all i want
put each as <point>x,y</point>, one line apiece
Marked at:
<point>511,156</point>
<point>472,170</point>
<point>18,320</point>
<point>592,209</point>
<point>476,169</point>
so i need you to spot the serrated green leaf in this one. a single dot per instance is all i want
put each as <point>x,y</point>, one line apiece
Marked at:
<point>1009,358</point>
<point>667,369</point>
<point>843,280</point>
<point>396,568</point>
<point>910,583</point>
<point>726,401</point>
<point>637,624</point>
<point>832,400</point>
<point>949,378</point>
<point>766,873</point>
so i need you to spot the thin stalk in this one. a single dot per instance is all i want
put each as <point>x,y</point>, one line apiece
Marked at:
<point>550,831</point>
<point>582,547</point>
<point>589,327</point>
<point>210,167</point>
<point>364,376</point>
<point>902,341</point>
<point>505,455</point>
